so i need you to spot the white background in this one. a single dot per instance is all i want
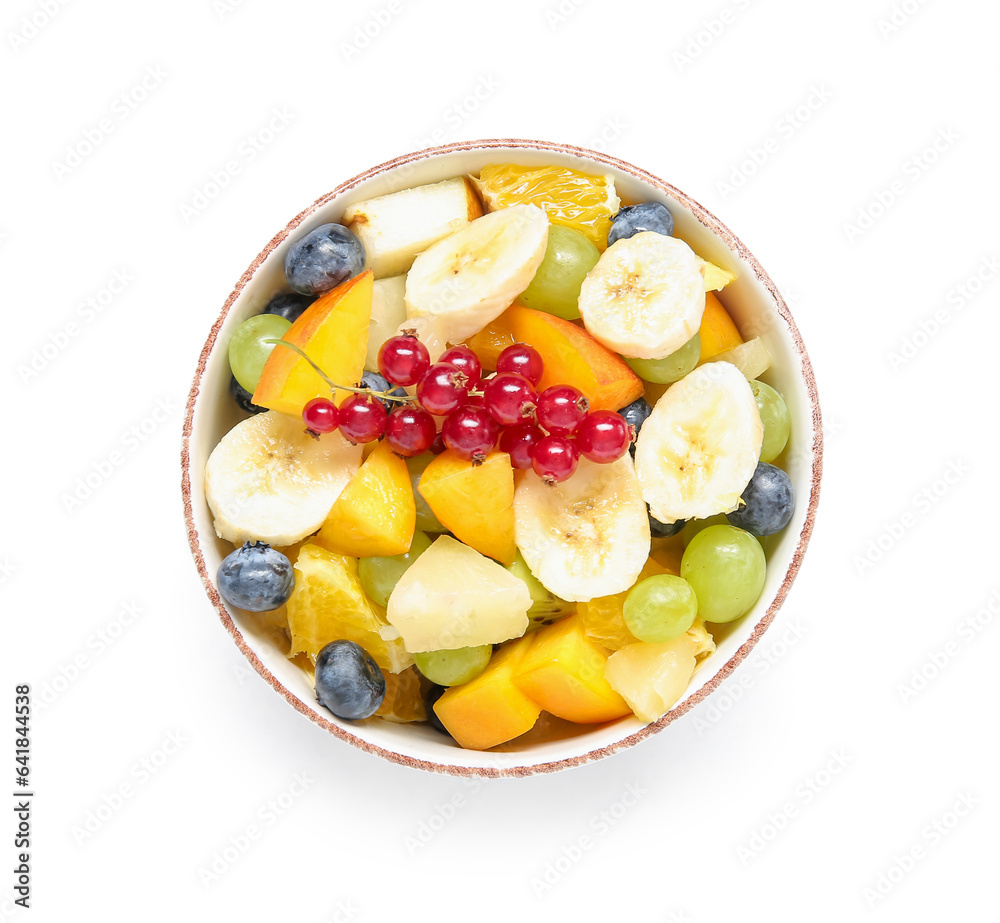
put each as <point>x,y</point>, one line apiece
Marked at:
<point>704,94</point>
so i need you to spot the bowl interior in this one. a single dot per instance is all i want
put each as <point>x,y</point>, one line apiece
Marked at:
<point>757,309</point>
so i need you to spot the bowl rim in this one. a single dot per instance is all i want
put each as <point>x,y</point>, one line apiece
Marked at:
<point>715,226</point>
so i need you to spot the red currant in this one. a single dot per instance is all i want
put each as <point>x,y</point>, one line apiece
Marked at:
<point>443,389</point>
<point>410,431</point>
<point>523,359</point>
<point>554,458</point>
<point>437,446</point>
<point>509,398</point>
<point>470,432</point>
<point>403,360</point>
<point>561,409</point>
<point>362,418</point>
<point>321,415</point>
<point>603,436</point>
<point>466,360</point>
<point>518,442</point>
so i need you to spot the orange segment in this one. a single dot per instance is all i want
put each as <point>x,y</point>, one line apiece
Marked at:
<point>403,702</point>
<point>490,709</point>
<point>333,331</point>
<point>569,197</point>
<point>475,502</point>
<point>718,332</point>
<point>563,672</point>
<point>375,514</point>
<point>492,340</point>
<point>328,604</point>
<point>572,356</point>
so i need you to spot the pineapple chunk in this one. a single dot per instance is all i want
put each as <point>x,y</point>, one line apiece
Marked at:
<point>652,677</point>
<point>751,358</point>
<point>452,596</point>
<point>716,278</point>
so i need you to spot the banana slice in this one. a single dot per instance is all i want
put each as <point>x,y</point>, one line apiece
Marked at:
<point>269,481</point>
<point>587,536</point>
<point>645,297</point>
<point>473,275</point>
<point>699,447</point>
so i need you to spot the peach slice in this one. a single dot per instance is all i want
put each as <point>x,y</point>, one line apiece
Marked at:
<point>333,332</point>
<point>572,356</point>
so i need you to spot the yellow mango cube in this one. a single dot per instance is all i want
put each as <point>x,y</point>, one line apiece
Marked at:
<point>490,709</point>
<point>718,332</point>
<point>563,672</point>
<point>375,514</point>
<point>474,502</point>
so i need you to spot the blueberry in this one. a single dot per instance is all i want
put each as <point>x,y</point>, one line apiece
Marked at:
<point>288,305</point>
<point>377,383</point>
<point>243,397</point>
<point>323,259</point>
<point>636,413</point>
<point>647,216</point>
<point>434,693</point>
<point>256,577</point>
<point>348,682</point>
<point>768,502</point>
<point>659,529</point>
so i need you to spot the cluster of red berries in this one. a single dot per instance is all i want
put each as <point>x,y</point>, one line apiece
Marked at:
<point>546,431</point>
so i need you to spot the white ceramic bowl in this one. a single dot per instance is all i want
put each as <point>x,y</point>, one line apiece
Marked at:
<point>758,310</point>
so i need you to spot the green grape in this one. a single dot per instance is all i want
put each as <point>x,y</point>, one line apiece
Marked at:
<point>379,575</point>
<point>450,668</point>
<point>660,608</point>
<point>672,368</point>
<point>774,416</point>
<point>569,256</point>
<point>725,566</point>
<point>426,520</point>
<point>248,352</point>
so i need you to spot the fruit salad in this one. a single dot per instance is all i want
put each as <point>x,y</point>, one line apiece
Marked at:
<point>505,454</point>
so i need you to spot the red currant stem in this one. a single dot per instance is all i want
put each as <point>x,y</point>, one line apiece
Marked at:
<point>381,395</point>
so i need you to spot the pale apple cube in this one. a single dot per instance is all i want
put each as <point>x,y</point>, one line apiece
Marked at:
<point>396,227</point>
<point>388,312</point>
